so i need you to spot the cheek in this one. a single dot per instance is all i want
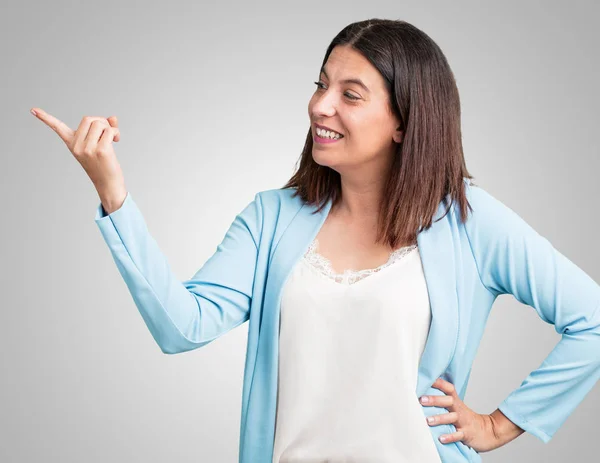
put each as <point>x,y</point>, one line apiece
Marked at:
<point>364,131</point>
<point>374,129</point>
<point>366,137</point>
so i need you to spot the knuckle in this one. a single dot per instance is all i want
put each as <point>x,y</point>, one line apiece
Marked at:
<point>99,122</point>
<point>87,151</point>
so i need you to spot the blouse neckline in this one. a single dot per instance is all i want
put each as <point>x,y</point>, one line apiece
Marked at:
<point>323,265</point>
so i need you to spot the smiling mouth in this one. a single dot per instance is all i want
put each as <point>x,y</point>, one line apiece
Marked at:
<point>323,140</point>
<point>336,136</point>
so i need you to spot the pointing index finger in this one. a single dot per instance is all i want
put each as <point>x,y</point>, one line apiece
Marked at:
<point>62,129</point>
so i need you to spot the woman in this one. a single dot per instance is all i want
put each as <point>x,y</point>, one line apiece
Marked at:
<point>366,282</point>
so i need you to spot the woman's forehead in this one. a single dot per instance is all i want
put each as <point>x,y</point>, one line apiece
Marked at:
<point>349,66</point>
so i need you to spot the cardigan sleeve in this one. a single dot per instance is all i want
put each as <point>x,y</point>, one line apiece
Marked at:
<point>185,315</point>
<point>512,258</point>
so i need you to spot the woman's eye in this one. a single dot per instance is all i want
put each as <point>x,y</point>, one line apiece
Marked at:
<point>348,95</point>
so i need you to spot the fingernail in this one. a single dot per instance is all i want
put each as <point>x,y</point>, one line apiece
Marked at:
<point>424,399</point>
<point>33,112</point>
<point>430,419</point>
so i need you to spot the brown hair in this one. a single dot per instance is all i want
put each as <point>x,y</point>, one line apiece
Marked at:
<point>429,163</point>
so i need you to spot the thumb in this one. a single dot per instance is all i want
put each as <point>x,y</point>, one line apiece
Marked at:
<point>114,122</point>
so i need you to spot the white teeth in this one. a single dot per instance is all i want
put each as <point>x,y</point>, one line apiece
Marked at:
<point>328,134</point>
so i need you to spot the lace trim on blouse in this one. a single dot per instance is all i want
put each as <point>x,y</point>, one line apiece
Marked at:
<point>322,265</point>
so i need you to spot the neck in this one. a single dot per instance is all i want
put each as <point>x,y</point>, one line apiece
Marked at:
<point>360,201</point>
<point>362,194</point>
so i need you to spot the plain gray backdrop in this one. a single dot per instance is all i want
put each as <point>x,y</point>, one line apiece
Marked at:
<point>212,107</point>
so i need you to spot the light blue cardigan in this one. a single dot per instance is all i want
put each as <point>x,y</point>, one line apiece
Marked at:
<point>466,267</point>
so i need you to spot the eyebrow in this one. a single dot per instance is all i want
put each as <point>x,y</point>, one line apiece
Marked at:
<point>349,81</point>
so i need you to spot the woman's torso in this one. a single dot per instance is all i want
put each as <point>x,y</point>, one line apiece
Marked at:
<point>349,349</point>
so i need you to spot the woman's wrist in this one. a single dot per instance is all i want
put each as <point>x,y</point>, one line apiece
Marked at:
<point>503,428</point>
<point>113,199</point>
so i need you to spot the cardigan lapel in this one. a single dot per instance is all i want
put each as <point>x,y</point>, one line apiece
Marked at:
<point>436,248</point>
<point>259,425</point>
<point>294,242</point>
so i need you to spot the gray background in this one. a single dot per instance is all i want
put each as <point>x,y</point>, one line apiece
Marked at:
<point>212,102</point>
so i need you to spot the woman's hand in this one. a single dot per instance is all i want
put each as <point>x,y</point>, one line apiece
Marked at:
<point>475,430</point>
<point>91,145</point>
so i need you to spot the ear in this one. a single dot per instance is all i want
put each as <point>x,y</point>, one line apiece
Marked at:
<point>398,135</point>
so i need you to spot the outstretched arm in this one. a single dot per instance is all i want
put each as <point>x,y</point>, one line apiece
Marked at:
<point>185,315</point>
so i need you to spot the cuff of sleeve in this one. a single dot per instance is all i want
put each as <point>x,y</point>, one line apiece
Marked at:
<point>127,216</point>
<point>101,214</point>
<point>523,423</point>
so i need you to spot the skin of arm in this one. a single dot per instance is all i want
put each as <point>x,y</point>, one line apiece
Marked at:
<point>504,429</point>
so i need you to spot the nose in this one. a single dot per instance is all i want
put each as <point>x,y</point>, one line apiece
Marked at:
<point>324,104</point>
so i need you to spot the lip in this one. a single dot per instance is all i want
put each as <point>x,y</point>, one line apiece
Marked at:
<point>327,128</point>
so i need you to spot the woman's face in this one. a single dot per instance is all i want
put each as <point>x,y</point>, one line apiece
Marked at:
<point>360,114</point>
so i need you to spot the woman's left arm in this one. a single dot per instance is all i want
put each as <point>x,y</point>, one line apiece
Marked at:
<point>512,258</point>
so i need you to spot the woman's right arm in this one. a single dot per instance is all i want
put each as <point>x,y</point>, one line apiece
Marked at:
<point>181,316</point>
<point>185,315</point>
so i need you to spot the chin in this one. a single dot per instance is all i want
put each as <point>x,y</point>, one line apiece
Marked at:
<point>323,159</point>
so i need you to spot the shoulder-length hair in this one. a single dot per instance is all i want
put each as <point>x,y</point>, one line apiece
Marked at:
<point>429,164</point>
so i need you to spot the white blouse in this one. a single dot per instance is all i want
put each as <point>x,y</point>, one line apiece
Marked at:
<point>349,351</point>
